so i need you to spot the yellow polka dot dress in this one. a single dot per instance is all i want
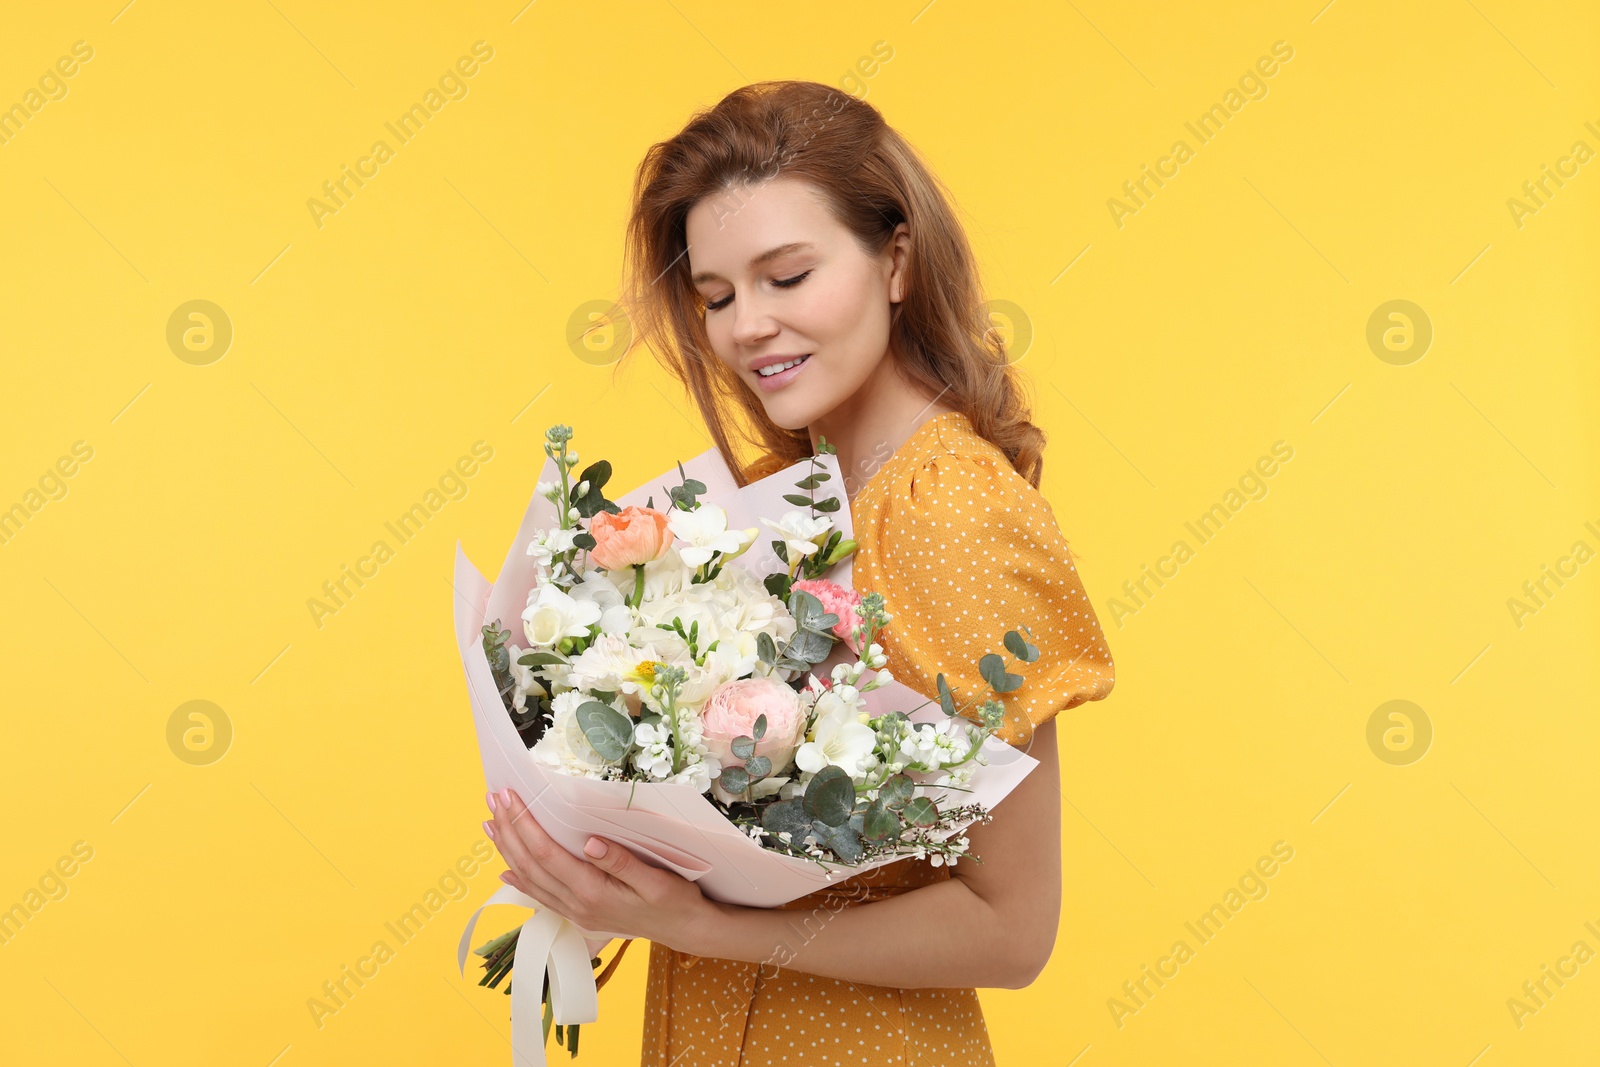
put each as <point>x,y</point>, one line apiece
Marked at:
<point>962,548</point>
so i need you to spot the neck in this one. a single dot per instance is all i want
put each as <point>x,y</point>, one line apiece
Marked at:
<point>868,427</point>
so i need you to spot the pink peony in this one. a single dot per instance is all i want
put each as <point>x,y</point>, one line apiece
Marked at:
<point>732,711</point>
<point>629,537</point>
<point>836,600</point>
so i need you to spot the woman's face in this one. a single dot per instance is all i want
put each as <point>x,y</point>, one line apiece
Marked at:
<point>783,279</point>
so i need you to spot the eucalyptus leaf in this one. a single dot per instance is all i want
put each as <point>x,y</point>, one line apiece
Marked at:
<point>920,812</point>
<point>608,730</point>
<point>742,747</point>
<point>540,659</point>
<point>827,504</point>
<point>803,606</point>
<point>880,823</point>
<point>734,779</point>
<point>797,499</point>
<point>843,840</point>
<point>1020,648</point>
<point>831,798</point>
<point>758,767</point>
<point>760,728</point>
<point>993,669</point>
<point>947,701</point>
<point>897,791</point>
<point>787,816</point>
<point>766,650</point>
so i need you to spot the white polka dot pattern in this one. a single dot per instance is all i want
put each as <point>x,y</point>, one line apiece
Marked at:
<point>963,549</point>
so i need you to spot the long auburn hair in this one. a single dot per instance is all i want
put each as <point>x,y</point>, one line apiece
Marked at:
<point>872,180</point>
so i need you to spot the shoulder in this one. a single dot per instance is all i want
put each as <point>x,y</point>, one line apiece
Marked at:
<point>947,479</point>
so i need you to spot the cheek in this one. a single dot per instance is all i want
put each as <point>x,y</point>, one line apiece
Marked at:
<point>719,329</point>
<point>844,312</point>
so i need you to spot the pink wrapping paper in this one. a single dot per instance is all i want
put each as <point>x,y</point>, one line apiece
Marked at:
<point>670,825</point>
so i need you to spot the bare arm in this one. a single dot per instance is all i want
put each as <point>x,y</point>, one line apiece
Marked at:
<point>992,925</point>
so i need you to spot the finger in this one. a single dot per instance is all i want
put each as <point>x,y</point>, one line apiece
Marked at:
<point>577,880</point>
<point>619,863</point>
<point>512,848</point>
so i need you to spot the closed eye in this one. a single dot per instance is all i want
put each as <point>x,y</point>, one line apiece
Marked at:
<point>782,283</point>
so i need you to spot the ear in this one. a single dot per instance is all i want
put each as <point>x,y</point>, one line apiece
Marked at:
<point>899,262</point>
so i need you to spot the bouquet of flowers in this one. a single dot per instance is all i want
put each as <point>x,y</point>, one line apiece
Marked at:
<point>663,692</point>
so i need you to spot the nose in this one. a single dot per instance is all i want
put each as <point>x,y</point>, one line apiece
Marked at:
<point>751,322</point>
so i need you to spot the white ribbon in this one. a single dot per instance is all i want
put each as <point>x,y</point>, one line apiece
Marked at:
<point>548,943</point>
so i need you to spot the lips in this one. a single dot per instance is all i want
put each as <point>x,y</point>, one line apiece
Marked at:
<point>770,368</point>
<point>793,367</point>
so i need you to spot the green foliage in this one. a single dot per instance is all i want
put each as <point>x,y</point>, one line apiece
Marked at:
<point>830,796</point>
<point>684,495</point>
<point>609,731</point>
<point>880,822</point>
<point>993,669</point>
<point>787,816</point>
<point>896,791</point>
<point>844,840</point>
<point>920,811</point>
<point>594,501</point>
<point>1020,648</point>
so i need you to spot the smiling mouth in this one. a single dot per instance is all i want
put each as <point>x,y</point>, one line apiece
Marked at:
<point>778,368</point>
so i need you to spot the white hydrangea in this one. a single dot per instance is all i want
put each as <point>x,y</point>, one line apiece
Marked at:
<point>564,746</point>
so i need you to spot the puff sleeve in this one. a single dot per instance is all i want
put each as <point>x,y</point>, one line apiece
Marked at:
<point>964,549</point>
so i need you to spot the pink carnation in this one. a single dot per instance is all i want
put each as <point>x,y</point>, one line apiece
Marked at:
<point>836,600</point>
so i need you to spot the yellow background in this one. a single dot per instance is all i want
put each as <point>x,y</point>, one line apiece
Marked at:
<point>430,312</point>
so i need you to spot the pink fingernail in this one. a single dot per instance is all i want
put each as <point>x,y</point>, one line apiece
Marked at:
<point>488,828</point>
<point>505,876</point>
<point>489,799</point>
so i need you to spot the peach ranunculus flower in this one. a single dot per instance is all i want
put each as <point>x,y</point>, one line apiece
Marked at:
<point>732,710</point>
<point>629,537</point>
<point>836,600</point>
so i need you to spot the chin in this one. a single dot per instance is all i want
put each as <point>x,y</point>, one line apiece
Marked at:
<point>788,415</point>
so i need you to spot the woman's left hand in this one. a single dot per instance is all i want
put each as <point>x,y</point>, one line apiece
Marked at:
<point>607,889</point>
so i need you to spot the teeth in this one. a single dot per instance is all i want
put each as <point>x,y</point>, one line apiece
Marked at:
<point>769,371</point>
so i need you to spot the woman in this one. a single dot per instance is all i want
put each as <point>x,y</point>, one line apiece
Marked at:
<point>789,227</point>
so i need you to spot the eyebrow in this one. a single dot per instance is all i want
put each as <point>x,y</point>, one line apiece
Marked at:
<point>769,254</point>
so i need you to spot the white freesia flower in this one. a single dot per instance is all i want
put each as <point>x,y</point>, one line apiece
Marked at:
<point>523,678</point>
<point>704,532</point>
<point>837,742</point>
<point>800,531</point>
<point>596,586</point>
<point>552,615</point>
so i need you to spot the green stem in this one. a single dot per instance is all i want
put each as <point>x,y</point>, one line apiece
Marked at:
<point>672,722</point>
<point>638,586</point>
